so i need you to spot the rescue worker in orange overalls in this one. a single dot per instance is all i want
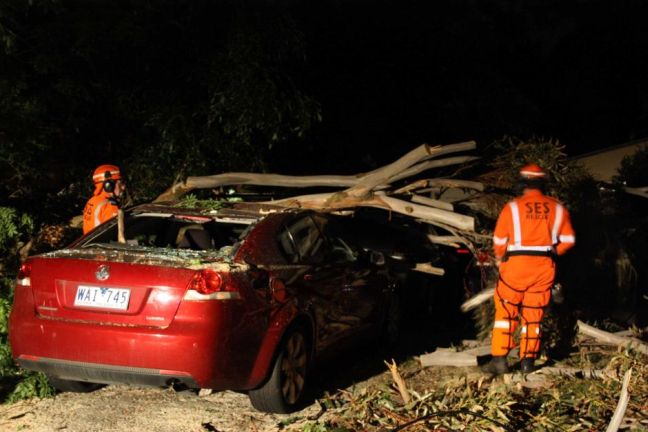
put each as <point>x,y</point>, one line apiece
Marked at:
<point>105,203</point>
<point>530,232</point>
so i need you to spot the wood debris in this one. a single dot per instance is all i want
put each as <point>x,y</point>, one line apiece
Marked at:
<point>611,338</point>
<point>448,357</point>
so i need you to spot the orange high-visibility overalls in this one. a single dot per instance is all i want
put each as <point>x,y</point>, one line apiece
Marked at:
<point>98,210</point>
<point>530,231</point>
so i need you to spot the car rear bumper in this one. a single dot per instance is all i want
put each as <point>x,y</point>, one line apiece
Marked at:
<point>105,374</point>
<point>194,350</point>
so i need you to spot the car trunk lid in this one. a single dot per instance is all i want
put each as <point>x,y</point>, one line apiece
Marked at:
<point>111,287</point>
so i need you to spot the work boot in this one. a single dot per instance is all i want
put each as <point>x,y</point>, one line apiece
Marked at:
<point>496,366</point>
<point>526,365</point>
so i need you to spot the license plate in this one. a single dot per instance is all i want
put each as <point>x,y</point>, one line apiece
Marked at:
<point>100,297</point>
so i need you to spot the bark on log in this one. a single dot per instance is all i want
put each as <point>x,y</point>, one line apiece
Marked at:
<point>611,338</point>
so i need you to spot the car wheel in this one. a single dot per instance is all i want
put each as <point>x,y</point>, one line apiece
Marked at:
<point>284,390</point>
<point>63,385</point>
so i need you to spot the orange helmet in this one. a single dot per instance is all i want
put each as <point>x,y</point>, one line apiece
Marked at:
<point>532,172</point>
<point>106,172</point>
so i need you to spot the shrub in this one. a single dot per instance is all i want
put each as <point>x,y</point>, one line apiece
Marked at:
<point>15,237</point>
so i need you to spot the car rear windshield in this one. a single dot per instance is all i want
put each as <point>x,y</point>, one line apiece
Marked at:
<point>174,232</point>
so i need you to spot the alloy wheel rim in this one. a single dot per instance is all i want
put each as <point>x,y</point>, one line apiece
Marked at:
<point>293,367</point>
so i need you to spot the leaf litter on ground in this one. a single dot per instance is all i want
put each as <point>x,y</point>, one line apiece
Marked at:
<point>465,399</point>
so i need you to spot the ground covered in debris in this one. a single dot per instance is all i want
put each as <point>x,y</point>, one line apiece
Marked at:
<point>357,392</point>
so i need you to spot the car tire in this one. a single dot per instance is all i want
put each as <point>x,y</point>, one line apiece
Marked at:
<point>283,392</point>
<point>63,385</point>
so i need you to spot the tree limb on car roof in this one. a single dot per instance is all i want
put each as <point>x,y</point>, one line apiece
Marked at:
<point>370,189</point>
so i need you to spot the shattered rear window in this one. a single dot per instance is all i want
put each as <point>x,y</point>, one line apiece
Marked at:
<point>174,232</point>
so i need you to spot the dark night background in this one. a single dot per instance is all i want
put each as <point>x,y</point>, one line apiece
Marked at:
<point>174,88</point>
<point>394,74</point>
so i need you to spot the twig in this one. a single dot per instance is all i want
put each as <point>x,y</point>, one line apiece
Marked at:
<point>398,379</point>
<point>320,413</point>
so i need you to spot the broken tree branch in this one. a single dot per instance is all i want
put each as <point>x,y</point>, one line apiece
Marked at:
<point>622,405</point>
<point>244,178</point>
<point>434,184</point>
<point>398,379</point>
<point>611,338</point>
<point>639,191</point>
<point>382,175</point>
<point>429,269</point>
<point>378,178</point>
<point>477,299</point>
<point>340,200</point>
<point>424,166</point>
<point>573,372</point>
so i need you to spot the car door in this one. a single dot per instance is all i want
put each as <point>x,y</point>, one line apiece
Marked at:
<point>365,284</point>
<point>319,284</point>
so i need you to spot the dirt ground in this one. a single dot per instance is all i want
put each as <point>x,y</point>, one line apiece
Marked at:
<point>121,408</point>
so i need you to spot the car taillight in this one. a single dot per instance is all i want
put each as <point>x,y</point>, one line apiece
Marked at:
<point>463,251</point>
<point>208,284</point>
<point>24,275</point>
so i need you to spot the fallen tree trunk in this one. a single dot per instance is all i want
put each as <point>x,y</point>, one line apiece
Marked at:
<point>358,185</point>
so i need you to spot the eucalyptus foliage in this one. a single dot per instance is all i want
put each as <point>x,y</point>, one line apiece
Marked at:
<point>15,231</point>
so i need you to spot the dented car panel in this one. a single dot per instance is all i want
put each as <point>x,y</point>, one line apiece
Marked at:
<point>198,297</point>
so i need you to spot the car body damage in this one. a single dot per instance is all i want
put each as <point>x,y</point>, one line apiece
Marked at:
<point>222,299</point>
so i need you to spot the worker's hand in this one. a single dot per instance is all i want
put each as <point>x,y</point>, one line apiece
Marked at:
<point>498,261</point>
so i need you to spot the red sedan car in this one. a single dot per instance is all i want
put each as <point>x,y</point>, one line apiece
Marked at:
<point>241,297</point>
